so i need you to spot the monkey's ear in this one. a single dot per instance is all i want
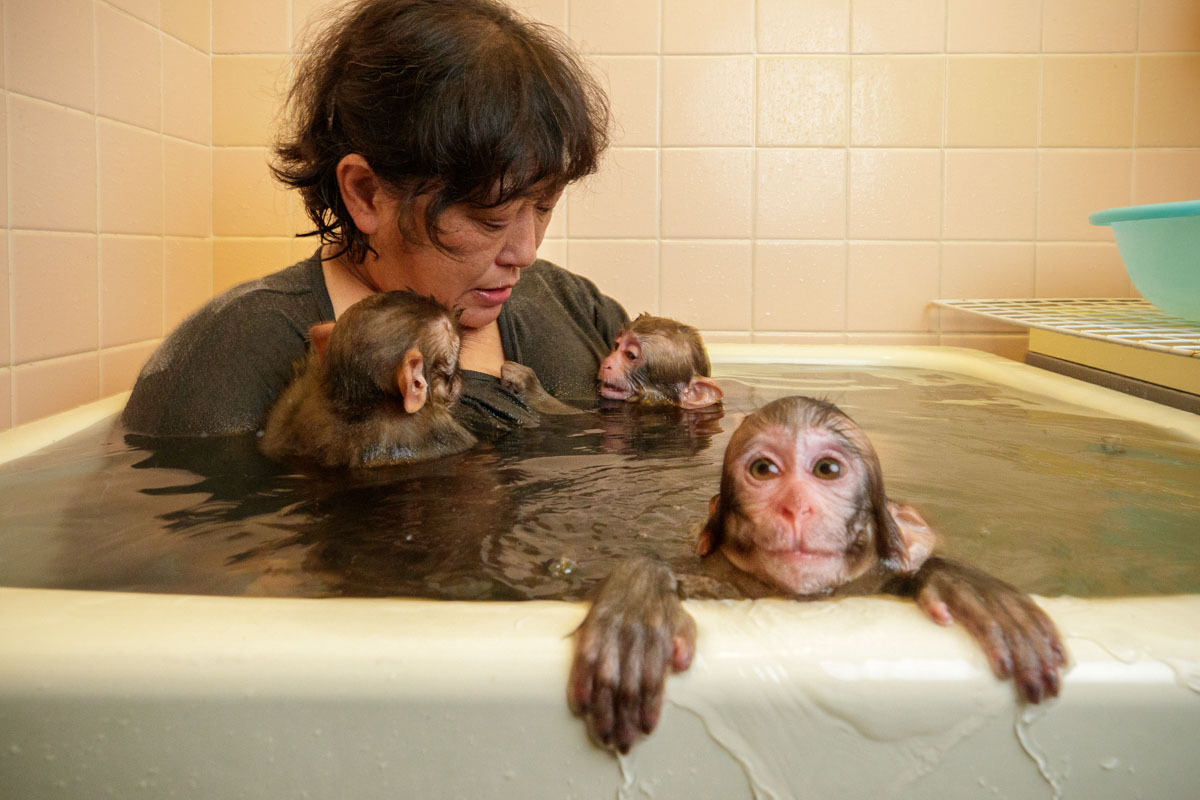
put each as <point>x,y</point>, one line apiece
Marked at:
<point>918,539</point>
<point>700,393</point>
<point>410,378</point>
<point>319,336</point>
<point>710,535</point>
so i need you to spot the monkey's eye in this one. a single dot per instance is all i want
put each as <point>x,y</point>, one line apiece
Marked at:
<point>828,469</point>
<point>632,353</point>
<point>764,469</point>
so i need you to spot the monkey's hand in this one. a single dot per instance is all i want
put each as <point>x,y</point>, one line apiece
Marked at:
<point>523,382</point>
<point>1019,639</point>
<point>634,633</point>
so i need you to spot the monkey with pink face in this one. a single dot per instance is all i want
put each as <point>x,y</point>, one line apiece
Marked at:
<point>801,513</point>
<point>658,361</point>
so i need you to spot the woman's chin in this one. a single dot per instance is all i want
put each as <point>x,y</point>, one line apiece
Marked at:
<point>479,317</point>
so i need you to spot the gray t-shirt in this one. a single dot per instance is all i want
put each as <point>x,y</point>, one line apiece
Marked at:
<point>220,371</point>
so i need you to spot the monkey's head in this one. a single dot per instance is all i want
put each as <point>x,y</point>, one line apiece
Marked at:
<point>658,361</point>
<point>802,505</point>
<point>396,348</point>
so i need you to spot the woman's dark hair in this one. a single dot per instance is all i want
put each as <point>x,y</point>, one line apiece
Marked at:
<point>458,99</point>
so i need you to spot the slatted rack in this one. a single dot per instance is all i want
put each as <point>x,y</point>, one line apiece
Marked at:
<point>1120,320</point>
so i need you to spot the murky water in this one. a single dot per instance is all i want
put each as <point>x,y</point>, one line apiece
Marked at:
<point>1038,492</point>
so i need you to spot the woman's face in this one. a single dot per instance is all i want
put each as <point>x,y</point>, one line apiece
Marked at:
<point>488,249</point>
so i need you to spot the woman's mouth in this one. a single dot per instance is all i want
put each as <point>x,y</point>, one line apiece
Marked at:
<point>493,296</point>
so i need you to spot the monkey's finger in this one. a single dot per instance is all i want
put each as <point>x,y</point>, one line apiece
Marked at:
<point>982,623</point>
<point>654,671</point>
<point>605,681</point>
<point>579,684</point>
<point>600,718</point>
<point>628,700</point>
<point>683,643</point>
<point>929,600</point>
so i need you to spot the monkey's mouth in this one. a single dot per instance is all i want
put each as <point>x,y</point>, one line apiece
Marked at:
<point>799,553</point>
<point>613,391</point>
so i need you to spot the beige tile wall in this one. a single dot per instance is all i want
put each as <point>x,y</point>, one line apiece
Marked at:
<point>107,216</point>
<point>783,170</point>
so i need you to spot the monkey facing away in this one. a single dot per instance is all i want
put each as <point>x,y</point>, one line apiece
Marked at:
<point>375,389</point>
<point>658,361</point>
<point>801,513</point>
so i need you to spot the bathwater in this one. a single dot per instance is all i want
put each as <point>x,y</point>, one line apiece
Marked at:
<point>1045,495</point>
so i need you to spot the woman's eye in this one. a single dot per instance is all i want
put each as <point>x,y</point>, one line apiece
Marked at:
<point>764,469</point>
<point>828,468</point>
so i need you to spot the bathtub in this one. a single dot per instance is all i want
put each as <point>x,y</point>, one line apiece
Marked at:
<point>127,695</point>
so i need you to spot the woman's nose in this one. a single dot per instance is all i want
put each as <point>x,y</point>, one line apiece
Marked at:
<point>521,243</point>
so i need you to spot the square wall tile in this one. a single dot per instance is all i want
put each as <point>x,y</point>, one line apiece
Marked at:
<point>707,284</point>
<point>52,166</point>
<point>248,92</point>
<point>187,278</point>
<point>708,26</point>
<point>131,289</point>
<point>1081,269</point>
<point>5,305</point>
<point>552,250</point>
<point>1087,101</point>
<point>707,193</point>
<point>1165,25</point>
<point>799,286</point>
<point>708,100</point>
<point>885,26</point>
<point>890,285</point>
<point>802,100</point>
<point>247,200</point>
<point>119,367</point>
<point>614,26</point>
<point>626,271</point>
<point>189,21</point>
<point>897,101</point>
<point>990,194</point>
<point>992,101</point>
<point>632,84</point>
<point>304,247</point>
<point>251,26</point>
<point>188,178</point>
<point>1090,26</point>
<point>895,194</point>
<point>47,324</point>
<point>620,201</point>
<point>131,179</point>
<point>187,93</point>
<point>146,10</point>
<point>129,62</point>
<point>983,270</point>
<point>236,261</point>
<point>49,387</point>
<point>815,26</point>
<point>49,51</point>
<point>993,26</point>
<point>801,194</point>
<point>1165,176</point>
<point>5,398</point>
<point>1073,184</point>
<point>1168,113</point>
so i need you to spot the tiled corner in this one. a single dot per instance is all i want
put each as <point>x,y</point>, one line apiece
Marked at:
<point>815,26</point>
<point>129,66</point>
<point>188,178</point>
<point>707,193</point>
<point>48,324</point>
<point>131,289</point>
<point>251,26</point>
<point>802,101</point>
<point>51,148</point>
<point>187,92</point>
<point>624,270</point>
<point>885,26</point>
<point>620,201</point>
<point>50,387</point>
<point>189,21</point>
<point>707,284</point>
<point>799,286</point>
<point>801,194</point>
<point>708,100</point>
<point>247,201</point>
<point>131,179</point>
<point>707,26</point>
<point>50,51</point>
<point>187,278</point>
<point>239,260</point>
<point>248,92</point>
<point>149,11</point>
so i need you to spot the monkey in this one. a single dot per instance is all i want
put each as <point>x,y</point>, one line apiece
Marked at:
<point>801,513</point>
<point>658,361</point>
<point>375,388</point>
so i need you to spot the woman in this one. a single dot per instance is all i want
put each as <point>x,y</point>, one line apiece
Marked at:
<point>430,141</point>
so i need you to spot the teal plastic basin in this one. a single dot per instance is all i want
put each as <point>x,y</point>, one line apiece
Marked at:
<point>1160,245</point>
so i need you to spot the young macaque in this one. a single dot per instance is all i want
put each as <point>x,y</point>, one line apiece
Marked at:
<point>657,361</point>
<point>375,389</point>
<point>801,513</point>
